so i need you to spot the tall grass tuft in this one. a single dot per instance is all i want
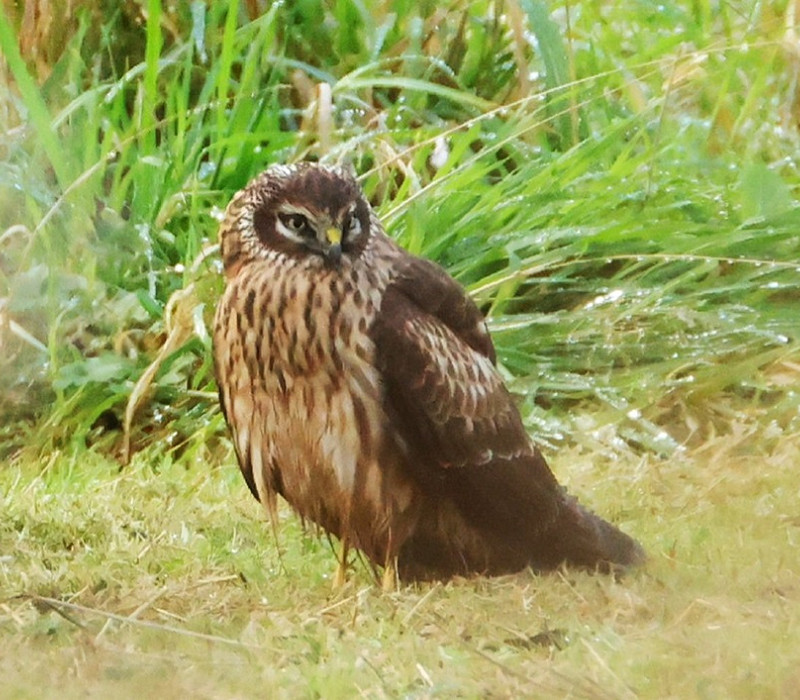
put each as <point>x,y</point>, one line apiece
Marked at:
<point>624,210</point>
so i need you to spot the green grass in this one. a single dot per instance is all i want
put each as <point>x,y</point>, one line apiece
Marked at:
<point>174,585</point>
<point>615,185</point>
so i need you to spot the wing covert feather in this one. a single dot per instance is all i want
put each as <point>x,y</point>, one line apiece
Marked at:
<point>437,361</point>
<point>450,407</point>
<point>451,400</point>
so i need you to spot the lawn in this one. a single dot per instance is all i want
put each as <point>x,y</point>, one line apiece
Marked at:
<point>616,186</point>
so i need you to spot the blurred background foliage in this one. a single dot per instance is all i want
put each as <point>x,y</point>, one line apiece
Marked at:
<point>626,212</point>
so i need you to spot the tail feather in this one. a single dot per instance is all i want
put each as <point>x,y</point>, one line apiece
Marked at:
<point>580,538</point>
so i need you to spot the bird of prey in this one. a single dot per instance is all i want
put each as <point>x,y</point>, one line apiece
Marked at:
<point>360,384</point>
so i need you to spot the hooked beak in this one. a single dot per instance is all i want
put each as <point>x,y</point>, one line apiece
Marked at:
<point>334,252</point>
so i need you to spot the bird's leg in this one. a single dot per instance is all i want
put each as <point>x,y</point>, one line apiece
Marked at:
<point>341,570</point>
<point>389,580</point>
<point>271,506</point>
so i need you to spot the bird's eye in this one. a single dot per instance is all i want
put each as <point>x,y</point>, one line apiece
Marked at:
<point>351,225</point>
<point>296,223</point>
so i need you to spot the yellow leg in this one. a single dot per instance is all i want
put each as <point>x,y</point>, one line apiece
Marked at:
<point>341,570</point>
<point>389,581</point>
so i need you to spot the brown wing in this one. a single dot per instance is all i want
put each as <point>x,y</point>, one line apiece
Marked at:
<point>227,347</point>
<point>451,409</point>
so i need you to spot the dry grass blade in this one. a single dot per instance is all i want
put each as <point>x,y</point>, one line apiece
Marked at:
<point>64,609</point>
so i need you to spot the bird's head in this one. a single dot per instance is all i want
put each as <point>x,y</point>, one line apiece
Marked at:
<point>305,211</point>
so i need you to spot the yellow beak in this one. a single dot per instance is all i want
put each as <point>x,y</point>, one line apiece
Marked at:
<point>334,252</point>
<point>334,235</point>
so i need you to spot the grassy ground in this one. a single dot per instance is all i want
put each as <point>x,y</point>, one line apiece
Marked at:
<point>174,586</point>
<point>616,186</point>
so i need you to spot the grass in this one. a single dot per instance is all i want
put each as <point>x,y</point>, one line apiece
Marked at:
<point>173,585</point>
<point>616,186</point>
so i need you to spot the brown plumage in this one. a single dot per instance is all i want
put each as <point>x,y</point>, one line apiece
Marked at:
<point>359,383</point>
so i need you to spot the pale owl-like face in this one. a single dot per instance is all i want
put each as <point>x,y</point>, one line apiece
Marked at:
<point>307,211</point>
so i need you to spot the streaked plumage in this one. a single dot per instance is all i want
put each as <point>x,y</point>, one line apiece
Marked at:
<point>359,383</point>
